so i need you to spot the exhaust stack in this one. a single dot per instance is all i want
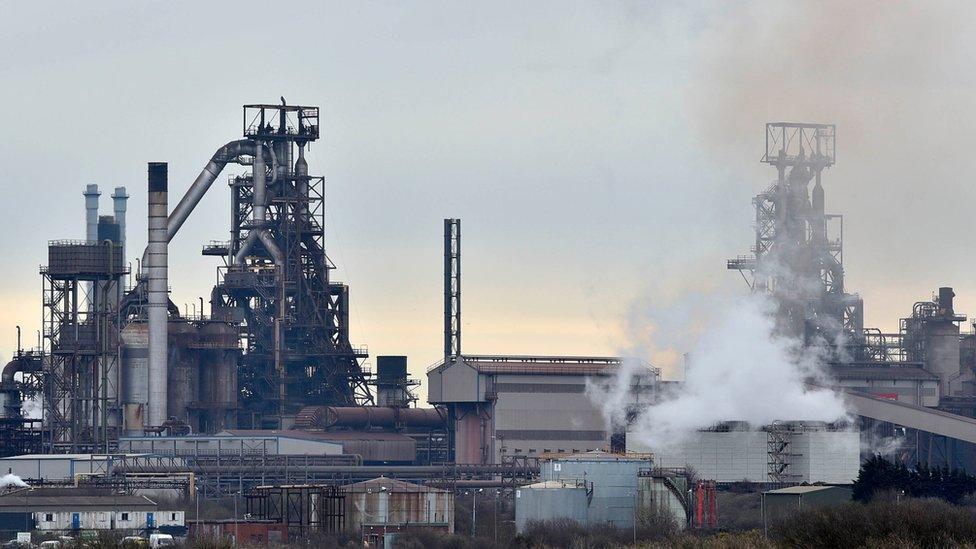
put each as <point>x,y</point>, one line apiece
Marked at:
<point>157,279</point>
<point>91,212</point>
<point>119,199</point>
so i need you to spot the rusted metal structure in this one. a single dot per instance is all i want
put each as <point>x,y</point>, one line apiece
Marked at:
<point>383,505</point>
<point>302,509</point>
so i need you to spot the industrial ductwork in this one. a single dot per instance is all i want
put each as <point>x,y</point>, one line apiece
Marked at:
<point>370,417</point>
<point>259,213</point>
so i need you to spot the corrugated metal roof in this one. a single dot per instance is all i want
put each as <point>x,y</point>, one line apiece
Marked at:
<point>318,436</point>
<point>600,455</point>
<point>545,365</point>
<point>63,499</point>
<point>554,484</point>
<point>389,484</point>
<point>802,489</point>
<point>883,372</point>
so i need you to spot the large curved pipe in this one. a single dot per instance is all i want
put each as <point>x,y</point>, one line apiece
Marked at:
<point>29,363</point>
<point>259,211</point>
<point>224,155</point>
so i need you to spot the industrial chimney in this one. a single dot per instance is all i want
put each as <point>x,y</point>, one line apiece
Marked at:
<point>91,195</point>
<point>119,199</point>
<point>156,277</point>
<point>452,289</point>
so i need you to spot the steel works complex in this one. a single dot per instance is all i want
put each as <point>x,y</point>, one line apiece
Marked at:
<point>266,397</point>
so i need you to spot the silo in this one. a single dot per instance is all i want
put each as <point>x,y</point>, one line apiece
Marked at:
<point>219,351</point>
<point>135,372</point>
<point>613,478</point>
<point>182,386</point>
<point>551,500</point>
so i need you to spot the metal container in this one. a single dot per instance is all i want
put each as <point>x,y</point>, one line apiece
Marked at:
<point>613,478</point>
<point>391,368</point>
<point>551,500</point>
<point>387,504</point>
<point>67,258</point>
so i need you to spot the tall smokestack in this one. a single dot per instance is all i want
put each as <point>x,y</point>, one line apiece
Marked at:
<point>156,275</point>
<point>119,199</point>
<point>452,289</point>
<point>91,195</point>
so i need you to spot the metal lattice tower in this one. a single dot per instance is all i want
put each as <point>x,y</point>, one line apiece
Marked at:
<point>81,338</point>
<point>295,320</point>
<point>452,288</point>
<point>798,250</point>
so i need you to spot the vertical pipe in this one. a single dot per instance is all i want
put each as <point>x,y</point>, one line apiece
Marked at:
<point>158,292</point>
<point>301,184</point>
<point>91,195</point>
<point>119,200</point>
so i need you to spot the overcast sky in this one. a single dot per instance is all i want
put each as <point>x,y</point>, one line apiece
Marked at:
<point>601,155</point>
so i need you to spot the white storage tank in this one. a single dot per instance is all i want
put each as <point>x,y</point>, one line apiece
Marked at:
<point>611,477</point>
<point>551,500</point>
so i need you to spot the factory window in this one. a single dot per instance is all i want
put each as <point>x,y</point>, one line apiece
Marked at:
<point>49,517</point>
<point>125,516</point>
<point>172,516</point>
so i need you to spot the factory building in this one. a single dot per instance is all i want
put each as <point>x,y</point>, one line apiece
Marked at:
<point>909,384</point>
<point>779,503</point>
<point>54,466</point>
<point>74,510</point>
<point>791,452</point>
<point>372,447</point>
<point>501,406</point>
<point>229,443</point>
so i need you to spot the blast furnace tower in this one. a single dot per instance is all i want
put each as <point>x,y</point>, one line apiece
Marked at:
<point>276,278</point>
<point>798,252</point>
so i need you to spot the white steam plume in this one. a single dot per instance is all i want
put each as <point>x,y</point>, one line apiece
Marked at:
<point>11,480</point>
<point>741,370</point>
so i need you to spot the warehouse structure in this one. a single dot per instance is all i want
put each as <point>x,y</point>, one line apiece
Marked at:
<point>779,503</point>
<point>793,452</point>
<point>503,406</point>
<point>74,510</point>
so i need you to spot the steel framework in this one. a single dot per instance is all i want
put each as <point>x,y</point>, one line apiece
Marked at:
<point>798,251</point>
<point>295,320</point>
<point>302,508</point>
<point>780,454</point>
<point>81,337</point>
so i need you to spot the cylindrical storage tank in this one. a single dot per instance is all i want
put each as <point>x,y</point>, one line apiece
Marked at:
<point>942,353</point>
<point>183,364</point>
<point>220,350</point>
<point>550,500</point>
<point>135,372</point>
<point>613,478</point>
